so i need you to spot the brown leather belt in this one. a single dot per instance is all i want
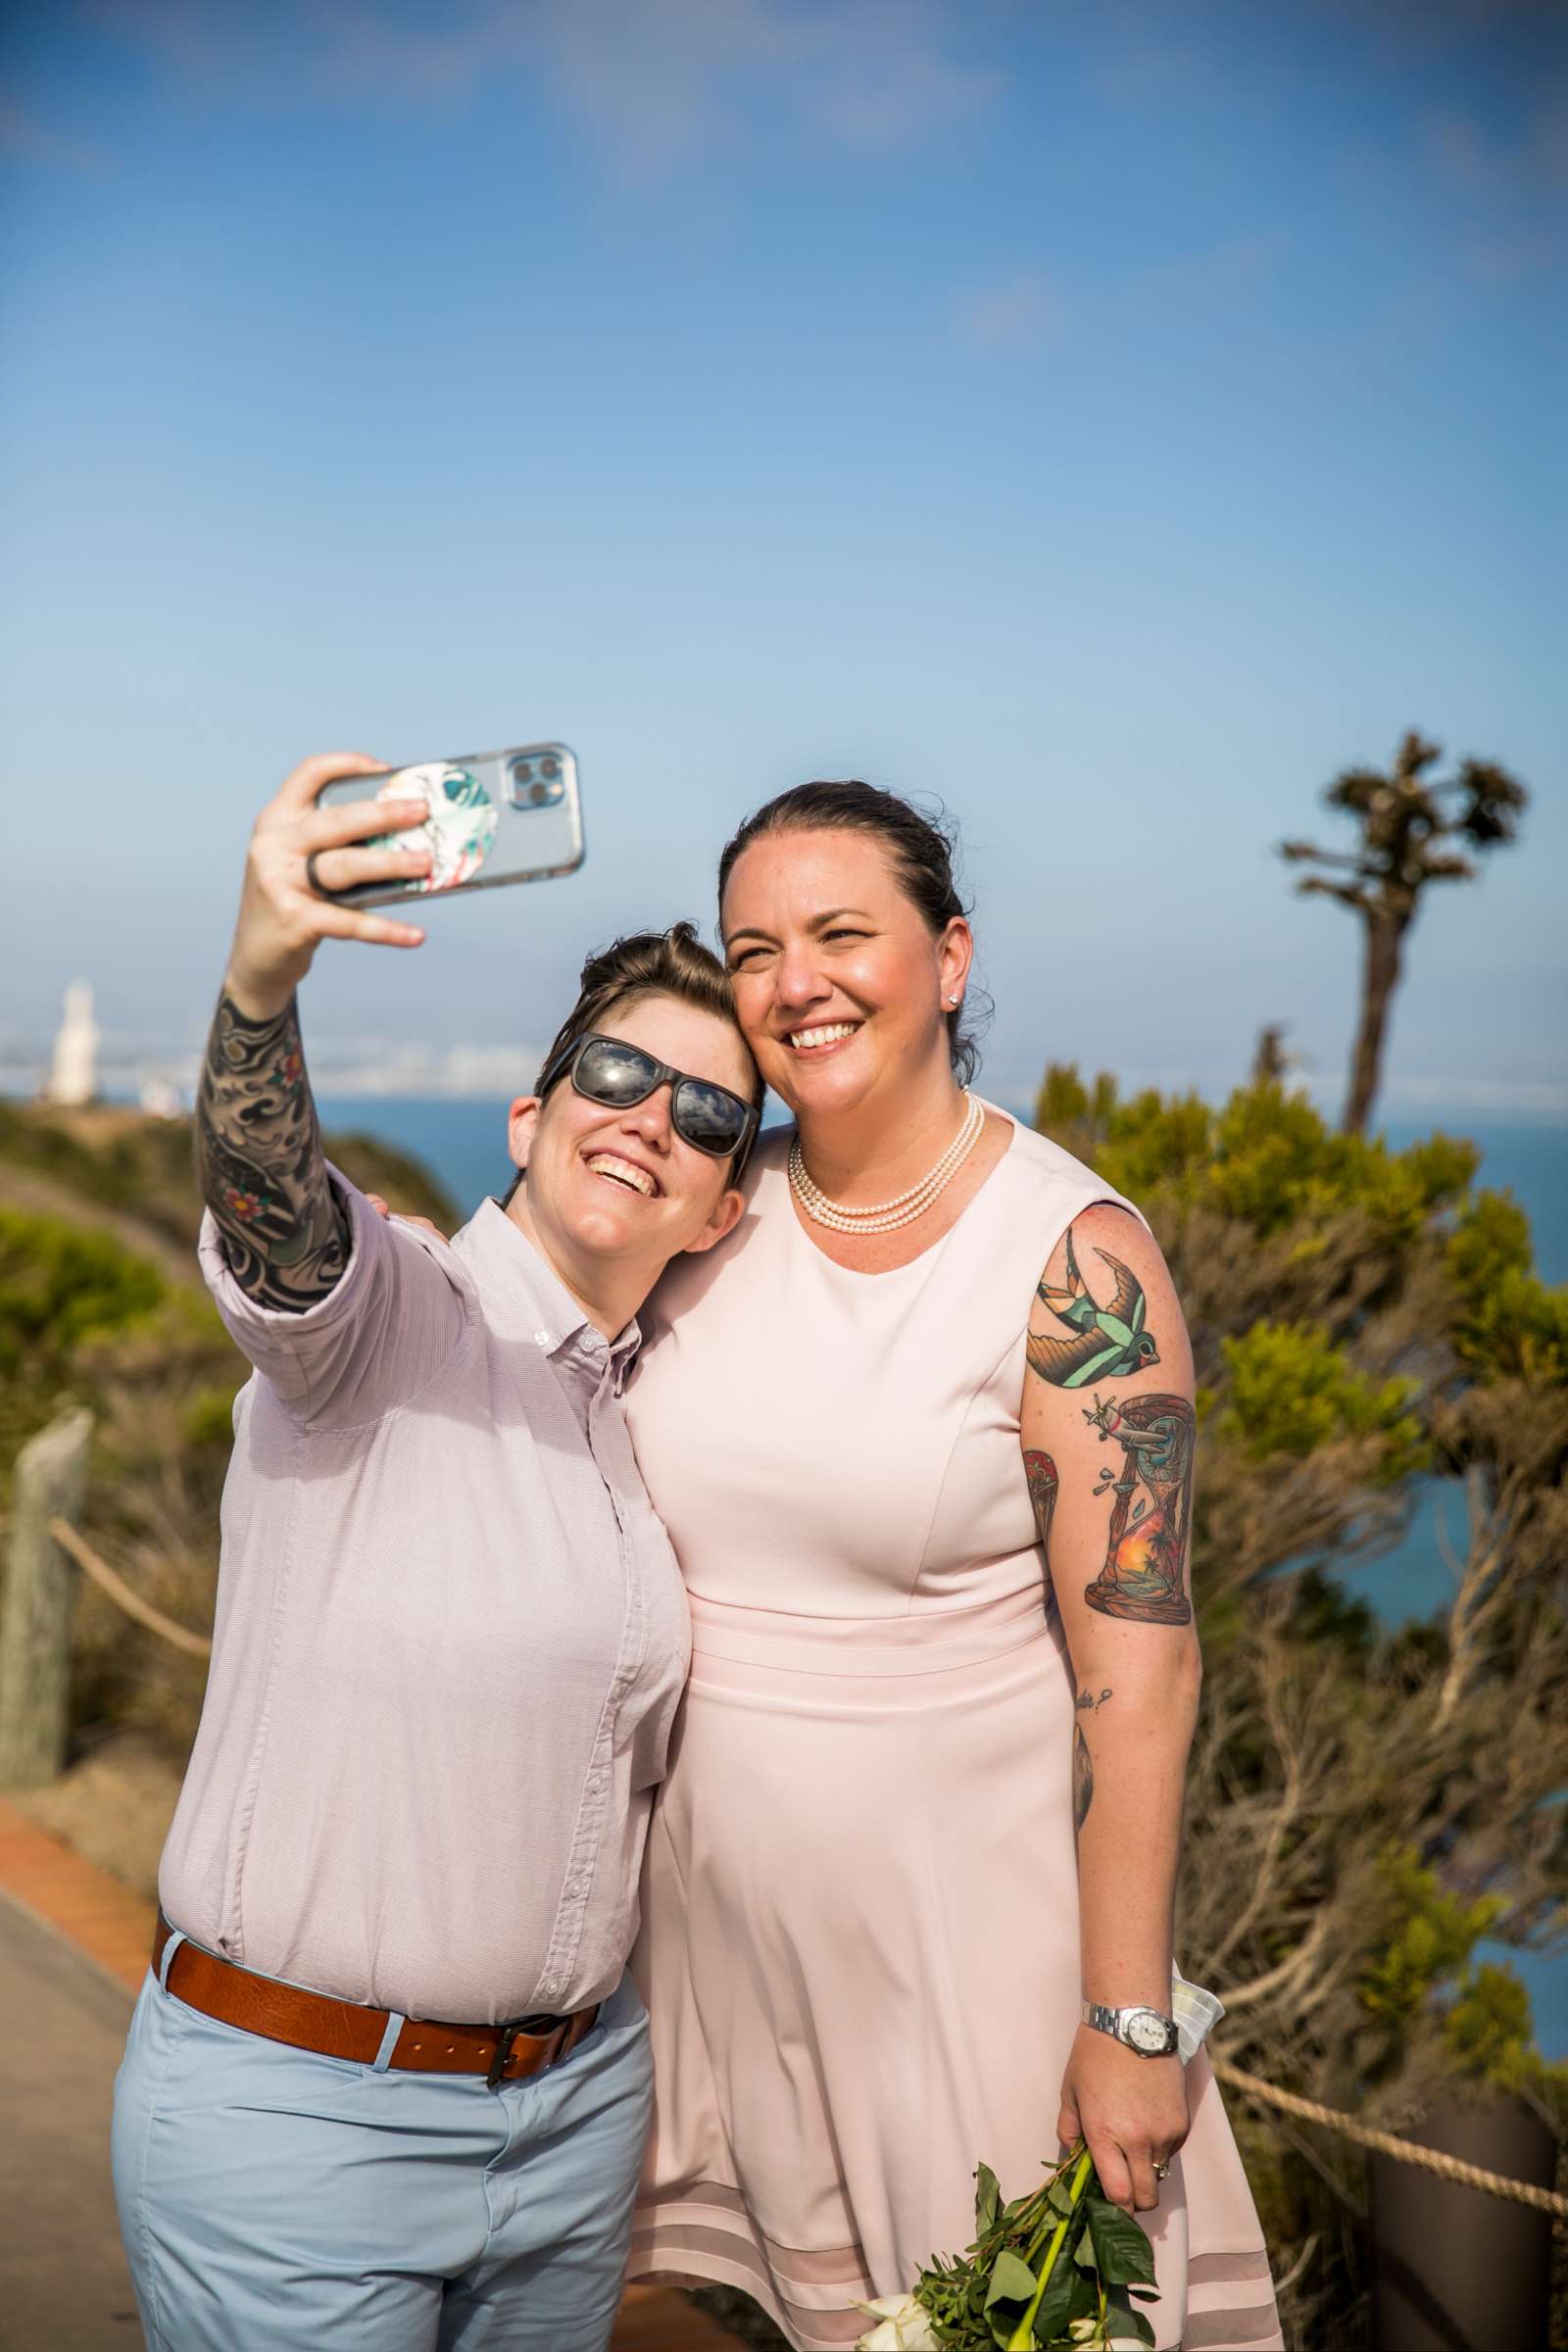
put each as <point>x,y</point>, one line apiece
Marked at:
<point>313,2020</point>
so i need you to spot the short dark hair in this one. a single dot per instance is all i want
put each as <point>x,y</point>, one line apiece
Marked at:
<point>649,963</point>
<point>921,849</point>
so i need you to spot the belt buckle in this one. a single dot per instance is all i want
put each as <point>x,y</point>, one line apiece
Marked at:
<point>537,2021</point>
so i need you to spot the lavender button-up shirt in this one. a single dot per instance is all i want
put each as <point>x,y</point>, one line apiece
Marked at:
<point>451,1638</point>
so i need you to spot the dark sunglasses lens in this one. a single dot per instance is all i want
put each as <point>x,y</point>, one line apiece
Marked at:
<point>613,1074</point>
<point>707,1116</point>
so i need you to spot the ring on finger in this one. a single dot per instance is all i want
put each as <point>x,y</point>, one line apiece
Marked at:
<point>1161,2167</point>
<point>313,880</point>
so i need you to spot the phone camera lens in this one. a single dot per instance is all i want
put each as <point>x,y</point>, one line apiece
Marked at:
<point>550,767</point>
<point>538,792</point>
<point>523,772</point>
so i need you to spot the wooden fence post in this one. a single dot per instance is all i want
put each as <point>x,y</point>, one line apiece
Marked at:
<point>49,1480</point>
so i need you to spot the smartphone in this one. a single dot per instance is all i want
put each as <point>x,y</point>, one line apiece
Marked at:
<point>498,816</point>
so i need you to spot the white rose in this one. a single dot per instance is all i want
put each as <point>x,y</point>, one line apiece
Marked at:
<point>903,2325</point>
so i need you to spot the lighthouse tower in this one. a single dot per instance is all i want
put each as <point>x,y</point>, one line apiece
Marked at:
<point>73,1073</point>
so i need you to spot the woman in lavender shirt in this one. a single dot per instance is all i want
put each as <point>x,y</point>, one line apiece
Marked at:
<point>387,2083</point>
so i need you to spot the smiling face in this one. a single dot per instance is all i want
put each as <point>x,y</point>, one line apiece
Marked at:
<point>840,982</point>
<point>618,1191</point>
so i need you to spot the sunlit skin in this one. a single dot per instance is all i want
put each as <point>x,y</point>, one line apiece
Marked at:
<point>609,1241</point>
<point>820,934</point>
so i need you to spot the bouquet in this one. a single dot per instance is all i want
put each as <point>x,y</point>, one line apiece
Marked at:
<point>1061,2269</point>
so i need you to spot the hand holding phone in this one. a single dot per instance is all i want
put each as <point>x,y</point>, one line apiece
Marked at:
<point>490,817</point>
<point>299,850</point>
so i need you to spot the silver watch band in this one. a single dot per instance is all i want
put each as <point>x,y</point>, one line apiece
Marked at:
<point>1154,2037</point>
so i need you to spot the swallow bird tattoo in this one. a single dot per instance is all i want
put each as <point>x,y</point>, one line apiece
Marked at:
<point>1104,1343</point>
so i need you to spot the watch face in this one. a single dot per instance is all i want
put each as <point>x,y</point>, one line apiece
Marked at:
<point>1148,2033</point>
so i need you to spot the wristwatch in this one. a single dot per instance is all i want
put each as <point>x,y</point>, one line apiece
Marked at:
<point>1148,2032</point>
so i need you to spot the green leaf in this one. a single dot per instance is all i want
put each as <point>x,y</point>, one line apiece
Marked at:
<point>1084,2301</point>
<point>1121,2248</point>
<point>988,2199</point>
<point>1056,2304</point>
<point>1060,2199</point>
<point>1126,2321</point>
<point>1012,2281</point>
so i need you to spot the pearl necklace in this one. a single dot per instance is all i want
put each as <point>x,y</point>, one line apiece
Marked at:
<point>903,1209</point>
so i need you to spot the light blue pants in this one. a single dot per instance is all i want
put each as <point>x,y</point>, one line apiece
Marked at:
<point>275,2201</point>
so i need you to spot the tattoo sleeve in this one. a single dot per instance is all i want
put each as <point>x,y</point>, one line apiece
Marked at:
<point>260,1164</point>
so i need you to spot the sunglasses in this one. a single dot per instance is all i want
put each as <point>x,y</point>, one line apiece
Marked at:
<point>610,1071</point>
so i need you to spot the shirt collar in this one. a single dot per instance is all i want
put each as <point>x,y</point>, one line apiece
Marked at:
<point>524,1298</point>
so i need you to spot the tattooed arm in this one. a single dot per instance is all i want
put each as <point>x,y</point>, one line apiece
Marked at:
<point>258,1145</point>
<point>259,1160</point>
<point>1108,1431</point>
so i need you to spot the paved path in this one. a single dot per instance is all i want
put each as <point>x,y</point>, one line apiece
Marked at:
<point>63,2277</point>
<point>73,1950</point>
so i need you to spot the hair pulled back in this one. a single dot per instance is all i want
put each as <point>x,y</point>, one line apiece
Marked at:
<point>921,849</point>
<point>651,964</point>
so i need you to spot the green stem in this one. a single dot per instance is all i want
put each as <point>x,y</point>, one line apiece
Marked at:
<point>1022,2338</point>
<point>1035,2205</point>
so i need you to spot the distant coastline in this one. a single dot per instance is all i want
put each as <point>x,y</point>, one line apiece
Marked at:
<point>370,1069</point>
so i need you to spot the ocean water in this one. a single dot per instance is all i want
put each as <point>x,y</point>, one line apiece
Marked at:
<point>464,1144</point>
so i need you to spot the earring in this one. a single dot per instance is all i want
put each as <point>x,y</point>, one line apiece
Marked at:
<point>954,1002</point>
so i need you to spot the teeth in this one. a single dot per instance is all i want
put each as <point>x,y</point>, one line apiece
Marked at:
<point>605,1163</point>
<point>827,1036</point>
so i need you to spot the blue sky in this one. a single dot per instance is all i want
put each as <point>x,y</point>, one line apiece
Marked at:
<point>1109,419</point>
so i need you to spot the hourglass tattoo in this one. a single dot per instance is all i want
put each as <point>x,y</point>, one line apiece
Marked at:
<point>1146,1550</point>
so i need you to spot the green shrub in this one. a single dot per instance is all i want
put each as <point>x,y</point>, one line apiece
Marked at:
<point>60,1282</point>
<point>1292,1392</point>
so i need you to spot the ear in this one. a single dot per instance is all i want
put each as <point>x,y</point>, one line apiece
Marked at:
<point>522,1121</point>
<point>724,1219</point>
<point>955,955</point>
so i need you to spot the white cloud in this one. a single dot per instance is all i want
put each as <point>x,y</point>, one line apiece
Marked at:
<point>1197,278</point>
<point>26,139</point>
<point>1020,312</point>
<point>1031,308</point>
<point>660,80</point>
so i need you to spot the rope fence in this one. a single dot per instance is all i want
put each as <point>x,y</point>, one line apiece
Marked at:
<point>1406,2151</point>
<point>1251,2086</point>
<point>126,1597</point>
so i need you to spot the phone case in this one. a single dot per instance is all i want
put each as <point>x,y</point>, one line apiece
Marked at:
<point>495,816</point>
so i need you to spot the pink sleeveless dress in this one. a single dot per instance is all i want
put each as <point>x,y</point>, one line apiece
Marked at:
<point>860,1939</point>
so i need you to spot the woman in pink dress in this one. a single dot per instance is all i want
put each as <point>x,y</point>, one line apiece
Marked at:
<point>922,1435</point>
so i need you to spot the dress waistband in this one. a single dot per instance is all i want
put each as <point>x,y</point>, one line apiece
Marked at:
<point>924,1642</point>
